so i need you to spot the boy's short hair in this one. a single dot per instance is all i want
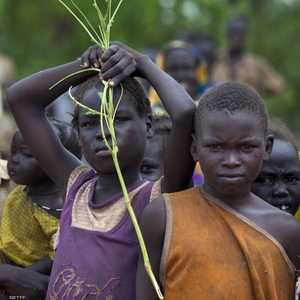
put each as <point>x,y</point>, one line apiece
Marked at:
<point>68,136</point>
<point>131,85</point>
<point>280,131</point>
<point>232,97</point>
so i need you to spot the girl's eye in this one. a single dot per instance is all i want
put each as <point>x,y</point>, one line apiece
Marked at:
<point>119,119</point>
<point>26,152</point>
<point>87,124</point>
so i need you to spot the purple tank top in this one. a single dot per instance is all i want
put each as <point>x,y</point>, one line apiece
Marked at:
<point>91,264</point>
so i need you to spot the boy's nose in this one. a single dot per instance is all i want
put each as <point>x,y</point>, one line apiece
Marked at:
<point>231,161</point>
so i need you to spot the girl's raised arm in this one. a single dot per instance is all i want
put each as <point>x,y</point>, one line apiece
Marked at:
<point>28,100</point>
<point>178,162</point>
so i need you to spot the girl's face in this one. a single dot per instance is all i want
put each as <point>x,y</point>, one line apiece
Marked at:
<point>181,65</point>
<point>130,129</point>
<point>22,167</point>
<point>279,180</point>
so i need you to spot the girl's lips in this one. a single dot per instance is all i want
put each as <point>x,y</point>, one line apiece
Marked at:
<point>103,153</point>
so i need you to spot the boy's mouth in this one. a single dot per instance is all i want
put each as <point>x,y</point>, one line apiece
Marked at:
<point>231,176</point>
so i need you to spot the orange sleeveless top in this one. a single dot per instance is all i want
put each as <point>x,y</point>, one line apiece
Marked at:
<point>213,253</point>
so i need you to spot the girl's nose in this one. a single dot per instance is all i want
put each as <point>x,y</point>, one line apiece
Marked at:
<point>106,133</point>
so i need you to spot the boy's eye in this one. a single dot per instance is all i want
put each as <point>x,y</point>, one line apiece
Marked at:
<point>215,147</point>
<point>247,148</point>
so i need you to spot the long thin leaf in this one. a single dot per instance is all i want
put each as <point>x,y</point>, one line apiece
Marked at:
<point>80,21</point>
<point>72,75</point>
<point>86,20</point>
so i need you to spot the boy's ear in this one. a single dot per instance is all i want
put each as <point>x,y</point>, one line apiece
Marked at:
<point>194,152</point>
<point>269,146</point>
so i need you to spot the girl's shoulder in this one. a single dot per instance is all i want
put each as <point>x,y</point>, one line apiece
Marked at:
<point>77,174</point>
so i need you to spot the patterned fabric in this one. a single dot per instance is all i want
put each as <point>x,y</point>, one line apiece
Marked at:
<point>26,232</point>
<point>227,257</point>
<point>97,250</point>
<point>251,70</point>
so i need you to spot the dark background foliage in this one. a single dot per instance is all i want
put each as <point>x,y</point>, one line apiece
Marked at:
<point>40,33</point>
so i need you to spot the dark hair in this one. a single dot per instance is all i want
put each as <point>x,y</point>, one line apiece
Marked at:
<point>241,19</point>
<point>130,85</point>
<point>68,136</point>
<point>232,97</point>
<point>280,131</point>
<point>183,45</point>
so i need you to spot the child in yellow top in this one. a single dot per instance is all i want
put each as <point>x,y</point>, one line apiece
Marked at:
<point>31,211</point>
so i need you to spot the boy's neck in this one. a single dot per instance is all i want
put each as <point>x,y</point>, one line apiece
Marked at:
<point>235,200</point>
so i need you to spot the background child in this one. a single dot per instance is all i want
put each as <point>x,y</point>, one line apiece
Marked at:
<point>31,211</point>
<point>98,251</point>
<point>181,61</point>
<point>279,180</point>
<point>152,166</point>
<point>222,242</point>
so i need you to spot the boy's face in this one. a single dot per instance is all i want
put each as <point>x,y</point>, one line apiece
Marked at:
<point>279,180</point>
<point>182,67</point>
<point>230,149</point>
<point>152,165</point>
<point>22,167</point>
<point>130,129</point>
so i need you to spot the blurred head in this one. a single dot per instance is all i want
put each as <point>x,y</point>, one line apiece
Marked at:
<point>206,46</point>
<point>278,183</point>
<point>237,31</point>
<point>24,169</point>
<point>152,165</point>
<point>231,139</point>
<point>181,61</point>
<point>132,124</point>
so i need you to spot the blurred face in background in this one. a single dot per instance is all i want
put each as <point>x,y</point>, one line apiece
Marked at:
<point>237,34</point>
<point>182,66</point>
<point>279,180</point>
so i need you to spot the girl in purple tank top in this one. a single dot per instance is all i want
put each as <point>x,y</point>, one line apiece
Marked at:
<point>97,249</point>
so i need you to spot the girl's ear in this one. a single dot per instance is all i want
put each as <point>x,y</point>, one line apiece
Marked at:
<point>194,152</point>
<point>269,146</point>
